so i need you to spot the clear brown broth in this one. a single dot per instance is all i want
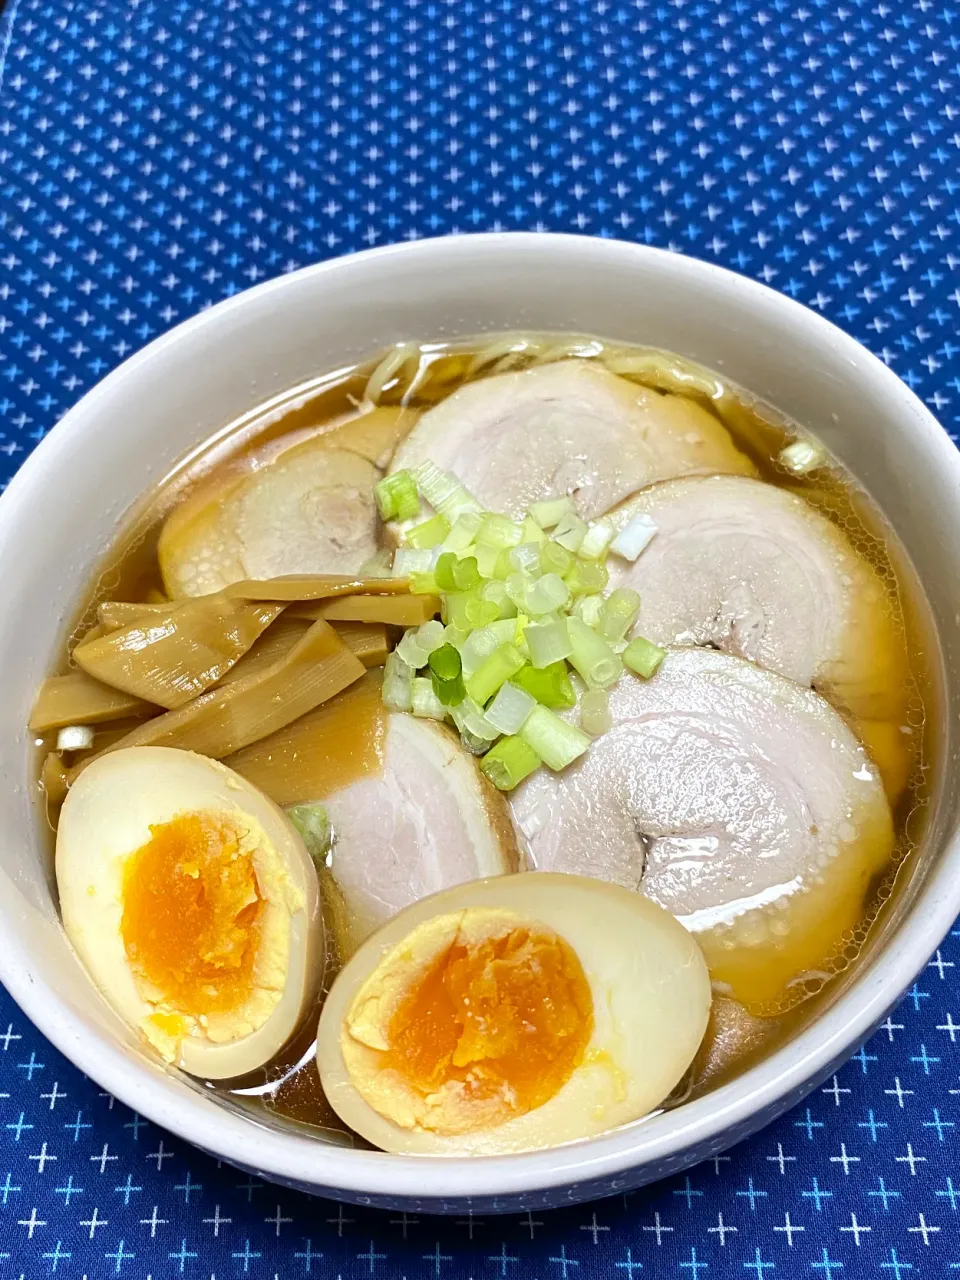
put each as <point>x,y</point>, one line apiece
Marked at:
<point>288,1089</point>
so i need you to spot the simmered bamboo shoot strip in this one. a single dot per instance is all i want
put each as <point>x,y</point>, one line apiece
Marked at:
<point>398,611</point>
<point>314,586</point>
<point>77,698</point>
<point>171,656</point>
<point>367,641</point>
<point>248,708</point>
<point>112,614</point>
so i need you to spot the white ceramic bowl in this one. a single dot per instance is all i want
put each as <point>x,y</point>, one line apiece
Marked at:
<point>65,506</point>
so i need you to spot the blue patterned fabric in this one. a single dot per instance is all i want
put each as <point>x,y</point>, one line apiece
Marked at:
<point>156,157</point>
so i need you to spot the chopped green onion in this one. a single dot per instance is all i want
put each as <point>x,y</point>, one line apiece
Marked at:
<point>592,657</point>
<point>486,558</point>
<point>504,565</point>
<point>477,648</point>
<point>549,513</point>
<point>313,827</point>
<point>466,574</point>
<point>453,609</point>
<point>550,686</point>
<point>496,592</point>
<point>643,656</point>
<point>495,671</point>
<point>397,496</point>
<point>556,742</point>
<point>532,532</point>
<point>548,642</point>
<point>479,611</point>
<point>509,762</point>
<point>525,557</point>
<point>595,717</point>
<point>397,683</point>
<point>505,629</point>
<point>410,650</point>
<point>634,537</point>
<point>475,743</point>
<point>444,492</point>
<point>589,609</point>
<point>570,532</point>
<point>463,531</point>
<point>454,636</point>
<point>443,571</point>
<point>426,704</point>
<point>429,533</point>
<point>423,584</point>
<point>618,614</point>
<point>596,540</point>
<point>446,673</point>
<point>517,585</point>
<point>546,594</point>
<point>409,560</point>
<point>555,559</point>
<point>586,577</point>
<point>471,721</point>
<point>430,635</point>
<point>499,531</point>
<point>510,708</point>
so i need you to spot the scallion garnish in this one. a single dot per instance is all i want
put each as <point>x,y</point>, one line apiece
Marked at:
<point>509,762</point>
<point>592,657</point>
<point>596,540</point>
<point>555,742</point>
<point>643,657</point>
<point>496,670</point>
<point>550,686</point>
<point>425,702</point>
<point>499,531</point>
<point>584,577</point>
<point>510,708</point>
<point>446,673</point>
<point>618,614</point>
<point>548,514</point>
<point>313,827</point>
<point>519,608</point>
<point>548,642</point>
<point>397,496</point>
<point>430,533</point>
<point>570,532</point>
<point>466,575</point>
<point>397,683</point>
<point>595,717</point>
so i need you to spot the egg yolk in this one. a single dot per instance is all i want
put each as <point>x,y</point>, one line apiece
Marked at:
<point>500,1023</point>
<point>191,914</point>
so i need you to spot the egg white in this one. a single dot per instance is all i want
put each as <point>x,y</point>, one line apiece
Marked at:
<point>651,1001</point>
<point>107,817</point>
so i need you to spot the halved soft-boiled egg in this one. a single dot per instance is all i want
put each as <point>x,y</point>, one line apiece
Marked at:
<point>194,905</point>
<point>511,1014</point>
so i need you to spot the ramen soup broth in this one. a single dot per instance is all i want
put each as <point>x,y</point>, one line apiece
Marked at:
<point>344,741</point>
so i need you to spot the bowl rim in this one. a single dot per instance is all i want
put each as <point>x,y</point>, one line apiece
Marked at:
<point>768,1086</point>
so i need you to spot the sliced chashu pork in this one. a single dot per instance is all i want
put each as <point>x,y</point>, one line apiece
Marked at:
<point>737,800</point>
<point>301,508</point>
<point>427,820</point>
<point>566,428</point>
<point>756,571</point>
